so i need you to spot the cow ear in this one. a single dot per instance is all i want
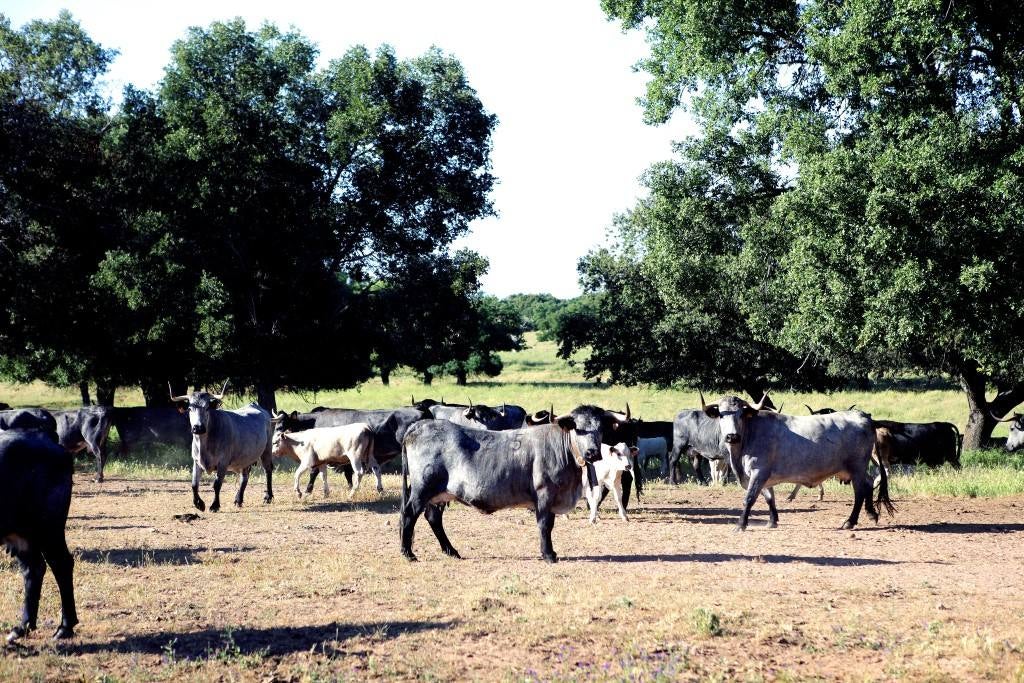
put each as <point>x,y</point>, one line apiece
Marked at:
<point>634,450</point>
<point>295,415</point>
<point>468,413</point>
<point>712,411</point>
<point>748,411</point>
<point>182,408</point>
<point>215,403</point>
<point>566,423</point>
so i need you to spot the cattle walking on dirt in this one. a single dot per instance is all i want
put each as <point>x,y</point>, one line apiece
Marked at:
<point>226,441</point>
<point>608,471</point>
<point>538,468</point>
<point>35,474</point>
<point>314,448</point>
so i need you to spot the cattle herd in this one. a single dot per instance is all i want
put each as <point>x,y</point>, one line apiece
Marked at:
<point>489,458</point>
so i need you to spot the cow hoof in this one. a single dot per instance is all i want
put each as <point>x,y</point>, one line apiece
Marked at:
<point>267,500</point>
<point>215,507</point>
<point>98,480</point>
<point>771,525</point>
<point>739,527</point>
<point>238,503</point>
<point>453,553</point>
<point>407,554</point>
<point>199,505</point>
<point>16,633</point>
<point>63,632</point>
<point>551,559</point>
<point>846,525</point>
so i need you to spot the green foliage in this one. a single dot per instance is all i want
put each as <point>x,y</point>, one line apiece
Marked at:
<point>540,312</point>
<point>238,221</point>
<point>853,190</point>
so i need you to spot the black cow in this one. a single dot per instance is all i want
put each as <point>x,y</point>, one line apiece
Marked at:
<point>36,474</point>
<point>36,419</point>
<point>929,443</point>
<point>539,468</point>
<point>477,416</point>
<point>141,427</point>
<point>86,429</point>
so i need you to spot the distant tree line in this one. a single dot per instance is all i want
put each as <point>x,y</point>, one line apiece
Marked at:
<point>252,217</point>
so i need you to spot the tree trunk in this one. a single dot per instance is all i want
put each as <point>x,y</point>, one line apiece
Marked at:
<point>980,420</point>
<point>428,377</point>
<point>105,392</point>
<point>460,377</point>
<point>83,387</point>
<point>266,396</point>
<point>158,394</point>
<point>385,376</point>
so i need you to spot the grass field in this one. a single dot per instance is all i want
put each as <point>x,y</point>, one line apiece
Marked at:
<point>317,590</point>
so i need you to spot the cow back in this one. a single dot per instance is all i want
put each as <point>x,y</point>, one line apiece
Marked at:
<point>35,474</point>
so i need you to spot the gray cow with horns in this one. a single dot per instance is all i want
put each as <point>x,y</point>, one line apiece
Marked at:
<point>767,448</point>
<point>538,468</point>
<point>226,441</point>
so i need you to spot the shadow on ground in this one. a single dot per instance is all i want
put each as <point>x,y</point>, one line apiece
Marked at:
<point>823,561</point>
<point>226,643</point>
<point>138,557</point>
<point>959,528</point>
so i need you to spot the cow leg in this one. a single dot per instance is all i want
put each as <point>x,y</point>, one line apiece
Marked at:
<point>244,480</point>
<point>792,494</point>
<point>100,451</point>
<point>268,468</point>
<point>357,467</point>
<point>217,483</point>
<point>375,466</point>
<point>773,512</point>
<point>434,513</point>
<point>346,469</point>
<point>33,568</point>
<point>312,479</point>
<point>617,495</point>
<point>303,466</point>
<point>196,500</point>
<point>858,501</point>
<point>867,485</point>
<point>409,513</point>
<point>63,566</point>
<point>757,482</point>
<point>593,501</point>
<point>323,471</point>
<point>545,523</point>
<point>627,481</point>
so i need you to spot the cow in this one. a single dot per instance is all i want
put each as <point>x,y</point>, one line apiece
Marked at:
<point>1016,438</point>
<point>140,427</point>
<point>539,468</point>
<point>314,448</point>
<point>929,443</point>
<point>86,428</point>
<point>226,441</point>
<point>36,477</point>
<point>4,406</point>
<point>654,447</point>
<point>389,426</point>
<point>608,471</point>
<point>697,436</point>
<point>825,411</point>
<point>35,419</point>
<point>767,448</point>
<point>477,416</point>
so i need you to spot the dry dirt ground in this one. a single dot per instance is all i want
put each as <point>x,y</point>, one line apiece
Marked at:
<point>317,590</point>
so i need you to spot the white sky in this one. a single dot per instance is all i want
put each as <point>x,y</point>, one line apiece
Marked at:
<point>570,143</point>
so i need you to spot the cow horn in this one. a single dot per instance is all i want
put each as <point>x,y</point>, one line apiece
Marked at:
<point>220,396</point>
<point>852,407</point>
<point>702,404</point>
<point>278,416</point>
<point>627,412</point>
<point>760,404</point>
<point>551,414</point>
<point>503,409</point>
<point>779,409</point>
<point>809,409</point>
<point>175,399</point>
<point>470,403</point>
<point>1005,419</point>
<point>412,399</point>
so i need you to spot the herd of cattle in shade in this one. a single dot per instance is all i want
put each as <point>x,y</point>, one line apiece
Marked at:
<point>487,458</point>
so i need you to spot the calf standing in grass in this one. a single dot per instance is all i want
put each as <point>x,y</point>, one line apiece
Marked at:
<point>608,473</point>
<point>314,448</point>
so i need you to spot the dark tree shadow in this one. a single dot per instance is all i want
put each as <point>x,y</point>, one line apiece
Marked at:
<point>279,641</point>
<point>386,505</point>
<point>823,561</point>
<point>137,557</point>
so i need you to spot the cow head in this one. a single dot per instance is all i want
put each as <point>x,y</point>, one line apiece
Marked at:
<point>199,404</point>
<point>584,427</point>
<point>541,417</point>
<point>1016,438</point>
<point>485,415</point>
<point>732,413</point>
<point>619,427</point>
<point>620,457</point>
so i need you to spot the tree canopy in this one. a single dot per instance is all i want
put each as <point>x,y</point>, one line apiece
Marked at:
<point>236,221</point>
<point>859,163</point>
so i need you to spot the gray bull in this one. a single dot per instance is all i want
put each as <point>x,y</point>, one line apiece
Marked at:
<point>227,441</point>
<point>698,436</point>
<point>29,418</point>
<point>769,448</point>
<point>86,429</point>
<point>1016,438</point>
<point>538,468</point>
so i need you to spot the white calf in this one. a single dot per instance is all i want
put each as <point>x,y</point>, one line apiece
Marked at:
<point>614,461</point>
<point>655,447</point>
<point>318,447</point>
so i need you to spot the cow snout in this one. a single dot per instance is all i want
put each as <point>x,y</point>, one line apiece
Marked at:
<point>198,429</point>
<point>732,438</point>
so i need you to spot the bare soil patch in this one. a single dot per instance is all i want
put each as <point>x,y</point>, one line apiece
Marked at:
<point>303,590</point>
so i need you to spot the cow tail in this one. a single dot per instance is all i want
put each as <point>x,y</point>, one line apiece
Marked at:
<point>883,492</point>
<point>958,446</point>
<point>405,489</point>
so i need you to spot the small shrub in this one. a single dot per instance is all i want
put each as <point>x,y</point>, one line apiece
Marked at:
<point>705,622</point>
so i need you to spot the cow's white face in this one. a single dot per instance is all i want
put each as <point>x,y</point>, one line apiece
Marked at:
<point>619,457</point>
<point>200,404</point>
<point>1016,438</point>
